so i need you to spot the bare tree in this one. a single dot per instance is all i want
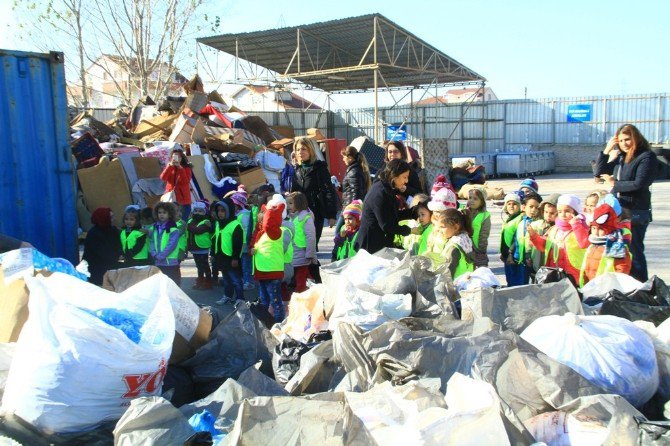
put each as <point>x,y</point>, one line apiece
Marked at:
<point>142,39</point>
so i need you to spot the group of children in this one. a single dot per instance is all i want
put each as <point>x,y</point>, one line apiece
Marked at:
<point>265,243</point>
<point>555,232</point>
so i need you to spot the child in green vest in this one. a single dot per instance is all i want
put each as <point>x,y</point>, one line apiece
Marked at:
<point>345,239</point>
<point>304,238</point>
<point>547,219</point>
<point>422,214</point>
<point>424,219</point>
<point>183,236</point>
<point>521,246</point>
<point>199,244</point>
<point>453,226</point>
<point>441,200</point>
<point>227,242</point>
<point>481,225</point>
<point>164,242</point>
<point>134,241</point>
<point>512,210</point>
<point>245,217</point>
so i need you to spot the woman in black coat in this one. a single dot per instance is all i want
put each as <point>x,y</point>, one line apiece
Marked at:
<point>397,150</point>
<point>629,166</point>
<point>379,222</point>
<point>356,181</point>
<point>102,246</point>
<point>312,178</point>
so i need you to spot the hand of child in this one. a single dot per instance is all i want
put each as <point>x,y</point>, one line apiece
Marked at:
<point>531,230</point>
<point>510,259</point>
<point>417,231</point>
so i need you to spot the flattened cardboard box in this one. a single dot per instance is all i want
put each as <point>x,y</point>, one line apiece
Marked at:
<point>14,307</point>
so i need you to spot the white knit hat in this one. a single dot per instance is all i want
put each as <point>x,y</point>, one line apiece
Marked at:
<point>276,200</point>
<point>570,200</point>
<point>513,196</point>
<point>442,200</point>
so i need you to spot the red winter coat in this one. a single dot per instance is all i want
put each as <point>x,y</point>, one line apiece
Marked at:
<point>179,179</point>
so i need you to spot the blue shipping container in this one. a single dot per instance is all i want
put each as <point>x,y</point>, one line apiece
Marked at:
<point>37,181</point>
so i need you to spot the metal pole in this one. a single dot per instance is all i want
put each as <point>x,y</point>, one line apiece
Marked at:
<point>298,46</point>
<point>605,135</point>
<point>658,121</point>
<point>376,82</point>
<point>237,60</point>
<point>553,122</point>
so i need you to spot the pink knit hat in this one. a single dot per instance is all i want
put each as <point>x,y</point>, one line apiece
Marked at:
<point>440,182</point>
<point>442,200</point>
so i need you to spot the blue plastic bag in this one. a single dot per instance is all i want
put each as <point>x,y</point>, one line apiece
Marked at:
<point>128,322</point>
<point>204,422</point>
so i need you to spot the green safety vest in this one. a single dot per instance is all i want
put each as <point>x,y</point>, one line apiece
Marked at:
<point>254,216</point>
<point>269,255</point>
<point>225,238</point>
<point>464,264</point>
<point>163,243</point>
<point>183,238</point>
<point>348,248</point>
<point>423,243</point>
<point>521,238</point>
<point>204,240</point>
<point>300,238</point>
<point>477,226</point>
<point>288,254</point>
<point>575,254</point>
<point>509,230</point>
<point>128,241</point>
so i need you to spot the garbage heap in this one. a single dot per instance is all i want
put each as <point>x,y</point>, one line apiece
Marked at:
<point>384,351</point>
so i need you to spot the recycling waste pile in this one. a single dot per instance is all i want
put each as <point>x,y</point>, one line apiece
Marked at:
<point>384,352</point>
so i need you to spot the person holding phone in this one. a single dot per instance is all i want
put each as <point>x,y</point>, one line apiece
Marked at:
<point>177,176</point>
<point>628,167</point>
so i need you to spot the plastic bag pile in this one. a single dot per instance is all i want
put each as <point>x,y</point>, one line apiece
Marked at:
<point>383,352</point>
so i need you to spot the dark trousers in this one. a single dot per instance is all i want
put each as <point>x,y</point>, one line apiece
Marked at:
<point>318,227</point>
<point>640,219</point>
<point>232,283</point>
<point>202,264</point>
<point>173,272</point>
<point>516,274</point>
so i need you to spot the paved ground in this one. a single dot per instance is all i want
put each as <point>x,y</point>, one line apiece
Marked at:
<point>657,239</point>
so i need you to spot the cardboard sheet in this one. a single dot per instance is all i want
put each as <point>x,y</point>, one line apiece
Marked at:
<point>198,162</point>
<point>105,185</point>
<point>147,167</point>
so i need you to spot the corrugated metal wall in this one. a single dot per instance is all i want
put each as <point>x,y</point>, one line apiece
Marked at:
<point>37,183</point>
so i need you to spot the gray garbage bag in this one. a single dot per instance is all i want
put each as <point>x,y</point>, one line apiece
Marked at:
<point>235,344</point>
<point>313,419</point>
<point>259,383</point>
<point>436,294</point>
<point>516,307</point>
<point>316,372</point>
<point>286,359</point>
<point>152,421</point>
<point>16,428</point>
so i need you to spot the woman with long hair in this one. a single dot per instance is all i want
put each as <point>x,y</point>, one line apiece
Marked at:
<point>381,214</point>
<point>397,150</point>
<point>177,176</point>
<point>312,178</point>
<point>356,181</point>
<point>628,166</point>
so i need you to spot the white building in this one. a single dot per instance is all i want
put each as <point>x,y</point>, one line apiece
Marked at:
<point>260,98</point>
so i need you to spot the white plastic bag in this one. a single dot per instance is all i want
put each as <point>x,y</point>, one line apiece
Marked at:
<point>72,371</point>
<point>660,336</point>
<point>482,277</point>
<point>564,429</point>
<point>604,283</point>
<point>609,351</point>
<point>368,310</point>
<point>6,356</point>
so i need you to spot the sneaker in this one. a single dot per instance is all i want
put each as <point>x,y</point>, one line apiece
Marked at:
<point>248,286</point>
<point>225,300</point>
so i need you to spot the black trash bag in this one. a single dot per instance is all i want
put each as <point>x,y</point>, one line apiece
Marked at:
<point>200,439</point>
<point>549,274</point>
<point>262,314</point>
<point>179,380</point>
<point>286,359</point>
<point>653,433</point>
<point>650,302</point>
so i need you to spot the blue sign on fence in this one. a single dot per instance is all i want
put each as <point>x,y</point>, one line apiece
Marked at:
<point>396,132</point>
<point>579,113</point>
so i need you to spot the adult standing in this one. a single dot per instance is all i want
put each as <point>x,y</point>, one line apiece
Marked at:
<point>312,178</point>
<point>102,246</point>
<point>397,150</point>
<point>356,181</point>
<point>177,176</point>
<point>381,214</point>
<point>629,166</point>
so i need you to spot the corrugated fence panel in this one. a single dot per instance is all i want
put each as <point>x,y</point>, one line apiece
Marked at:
<point>37,186</point>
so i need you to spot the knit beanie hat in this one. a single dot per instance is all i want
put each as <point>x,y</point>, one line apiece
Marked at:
<point>551,199</point>
<point>276,201</point>
<point>355,209</point>
<point>442,200</point>
<point>440,183</point>
<point>199,206</point>
<point>530,184</point>
<point>239,199</point>
<point>513,196</point>
<point>612,201</point>
<point>570,200</point>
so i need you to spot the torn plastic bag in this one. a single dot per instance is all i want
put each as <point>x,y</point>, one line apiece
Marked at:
<point>152,421</point>
<point>517,307</point>
<point>63,347</point>
<point>291,421</point>
<point>414,414</point>
<point>286,359</point>
<point>238,342</point>
<point>610,352</point>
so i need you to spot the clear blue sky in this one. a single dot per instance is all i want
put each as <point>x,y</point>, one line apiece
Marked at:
<point>553,48</point>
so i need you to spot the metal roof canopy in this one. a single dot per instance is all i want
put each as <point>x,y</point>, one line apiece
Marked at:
<point>347,55</point>
<point>344,55</point>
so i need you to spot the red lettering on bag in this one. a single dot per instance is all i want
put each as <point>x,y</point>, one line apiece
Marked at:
<point>145,382</point>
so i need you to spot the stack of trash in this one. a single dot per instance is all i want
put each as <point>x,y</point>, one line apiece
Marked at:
<point>384,351</point>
